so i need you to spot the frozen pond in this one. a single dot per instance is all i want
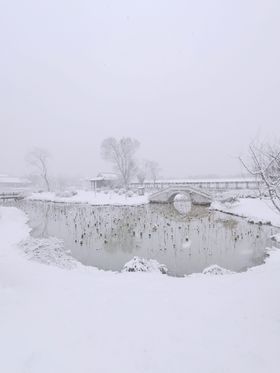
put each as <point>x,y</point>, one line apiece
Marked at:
<point>185,238</point>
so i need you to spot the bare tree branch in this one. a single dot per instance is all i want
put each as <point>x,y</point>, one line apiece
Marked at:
<point>38,158</point>
<point>153,170</point>
<point>122,155</point>
<point>265,164</point>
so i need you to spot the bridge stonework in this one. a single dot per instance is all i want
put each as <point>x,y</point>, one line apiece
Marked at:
<point>167,195</point>
<point>208,185</point>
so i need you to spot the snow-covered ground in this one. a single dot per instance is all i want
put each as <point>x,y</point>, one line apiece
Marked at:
<point>92,198</point>
<point>55,320</point>
<point>254,209</point>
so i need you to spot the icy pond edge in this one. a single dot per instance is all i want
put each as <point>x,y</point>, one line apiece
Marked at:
<point>19,216</point>
<point>254,210</point>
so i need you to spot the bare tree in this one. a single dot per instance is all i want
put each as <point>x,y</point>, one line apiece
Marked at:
<point>121,153</point>
<point>142,171</point>
<point>141,176</point>
<point>264,163</point>
<point>38,158</point>
<point>153,169</point>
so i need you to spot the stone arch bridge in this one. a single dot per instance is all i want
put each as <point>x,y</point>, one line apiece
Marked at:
<point>167,195</point>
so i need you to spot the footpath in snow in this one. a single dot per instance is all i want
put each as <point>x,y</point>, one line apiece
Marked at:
<point>92,198</point>
<point>254,209</point>
<point>55,320</point>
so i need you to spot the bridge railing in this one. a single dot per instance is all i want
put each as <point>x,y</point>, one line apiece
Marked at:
<point>11,195</point>
<point>208,185</point>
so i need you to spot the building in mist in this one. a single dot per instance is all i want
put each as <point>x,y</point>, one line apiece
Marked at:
<point>13,184</point>
<point>104,180</point>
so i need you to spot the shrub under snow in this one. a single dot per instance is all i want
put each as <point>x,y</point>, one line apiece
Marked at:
<point>66,194</point>
<point>216,270</point>
<point>48,251</point>
<point>144,265</point>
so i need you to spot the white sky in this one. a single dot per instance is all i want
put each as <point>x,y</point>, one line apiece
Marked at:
<point>194,81</point>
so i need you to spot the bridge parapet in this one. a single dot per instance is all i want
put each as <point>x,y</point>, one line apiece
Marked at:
<point>208,185</point>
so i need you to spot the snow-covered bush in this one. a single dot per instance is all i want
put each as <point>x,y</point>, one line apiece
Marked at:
<point>216,270</point>
<point>144,265</point>
<point>48,251</point>
<point>66,194</point>
<point>231,202</point>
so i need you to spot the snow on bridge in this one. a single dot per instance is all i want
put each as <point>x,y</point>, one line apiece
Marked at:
<point>197,196</point>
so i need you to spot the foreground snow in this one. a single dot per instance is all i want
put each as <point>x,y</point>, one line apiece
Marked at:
<point>55,320</point>
<point>92,198</point>
<point>254,209</point>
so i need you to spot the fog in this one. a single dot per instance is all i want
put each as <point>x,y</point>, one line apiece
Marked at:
<point>193,81</point>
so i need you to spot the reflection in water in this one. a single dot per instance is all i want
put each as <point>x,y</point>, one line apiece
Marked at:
<point>184,237</point>
<point>182,207</point>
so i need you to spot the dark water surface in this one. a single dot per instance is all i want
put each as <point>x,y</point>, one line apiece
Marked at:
<point>186,238</point>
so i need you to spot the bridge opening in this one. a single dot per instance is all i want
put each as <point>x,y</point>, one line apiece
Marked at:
<point>182,203</point>
<point>168,195</point>
<point>179,197</point>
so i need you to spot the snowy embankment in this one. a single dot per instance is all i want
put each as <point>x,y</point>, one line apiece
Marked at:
<point>55,320</point>
<point>254,209</point>
<point>92,198</point>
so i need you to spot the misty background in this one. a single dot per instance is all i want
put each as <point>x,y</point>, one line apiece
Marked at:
<point>194,81</point>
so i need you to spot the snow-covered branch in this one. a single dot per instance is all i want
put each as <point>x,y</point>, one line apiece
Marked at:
<point>264,163</point>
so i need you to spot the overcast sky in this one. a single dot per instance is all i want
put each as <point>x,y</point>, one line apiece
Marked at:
<point>193,80</point>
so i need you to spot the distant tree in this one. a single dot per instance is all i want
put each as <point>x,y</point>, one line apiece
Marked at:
<point>38,158</point>
<point>264,164</point>
<point>141,171</point>
<point>153,170</point>
<point>141,176</point>
<point>121,153</point>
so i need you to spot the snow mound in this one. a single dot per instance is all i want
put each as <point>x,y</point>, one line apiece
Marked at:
<point>49,251</point>
<point>216,270</point>
<point>66,194</point>
<point>144,265</point>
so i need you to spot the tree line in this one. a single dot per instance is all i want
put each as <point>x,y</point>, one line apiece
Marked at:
<point>121,154</point>
<point>262,162</point>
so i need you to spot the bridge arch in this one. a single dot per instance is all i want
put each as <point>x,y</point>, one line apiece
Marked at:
<point>173,194</point>
<point>196,196</point>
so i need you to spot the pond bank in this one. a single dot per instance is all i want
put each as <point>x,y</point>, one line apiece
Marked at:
<point>185,238</point>
<point>255,210</point>
<point>110,198</point>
